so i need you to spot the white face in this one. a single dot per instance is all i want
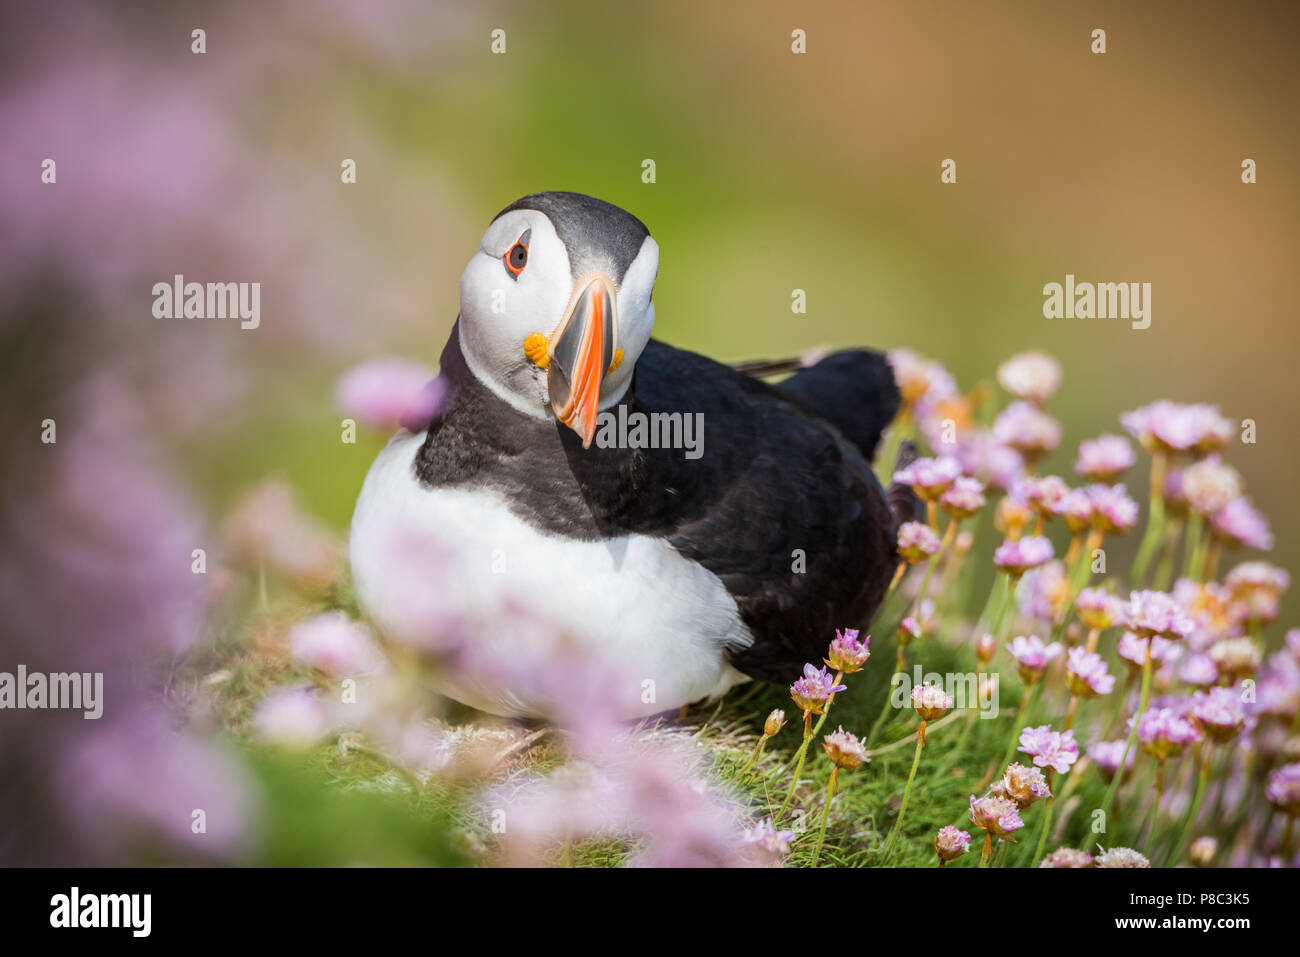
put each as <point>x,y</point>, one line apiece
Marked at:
<point>501,306</point>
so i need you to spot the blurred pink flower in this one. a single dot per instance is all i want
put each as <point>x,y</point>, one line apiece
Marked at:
<point>138,777</point>
<point>1157,613</point>
<point>1034,376</point>
<point>1172,427</point>
<point>1017,557</point>
<point>267,526</point>
<point>964,499</point>
<point>1032,656</point>
<point>1239,523</point>
<point>916,542</point>
<point>1105,458</point>
<point>335,644</point>
<point>389,393</point>
<point>929,478</point>
<point>1027,429</point>
<point>1065,857</point>
<point>295,717</point>
<point>1086,674</point>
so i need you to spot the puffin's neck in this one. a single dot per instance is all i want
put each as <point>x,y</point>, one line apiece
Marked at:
<point>479,436</point>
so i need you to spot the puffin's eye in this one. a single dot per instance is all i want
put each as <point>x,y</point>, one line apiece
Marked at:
<point>517,256</point>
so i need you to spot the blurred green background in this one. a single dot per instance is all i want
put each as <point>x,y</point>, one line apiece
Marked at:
<point>775,171</point>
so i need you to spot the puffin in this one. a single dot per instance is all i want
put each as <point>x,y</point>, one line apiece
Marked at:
<point>690,572</point>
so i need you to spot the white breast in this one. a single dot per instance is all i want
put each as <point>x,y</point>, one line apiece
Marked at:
<point>660,619</point>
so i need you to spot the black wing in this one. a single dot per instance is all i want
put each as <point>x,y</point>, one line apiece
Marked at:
<point>781,506</point>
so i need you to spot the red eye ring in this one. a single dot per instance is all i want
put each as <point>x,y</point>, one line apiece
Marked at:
<point>516,257</point>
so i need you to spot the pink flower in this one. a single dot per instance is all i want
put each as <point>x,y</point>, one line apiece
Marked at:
<point>931,702</point>
<point>1104,458</point>
<point>1064,857</point>
<point>1219,713</point>
<point>1171,427</point>
<point>1210,484</point>
<point>390,392</point>
<point>336,645</point>
<point>988,460</point>
<point>844,749</point>
<point>1283,790</point>
<point>1164,733</point>
<point>1048,748</point>
<point>998,816</point>
<point>920,378</point>
<point>1075,508</point>
<point>847,654</point>
<point>1121,857</point>
<point>1098,608</point>
<point>916,542</point>
<point>951,842</point>
<point>1235,657</point>
<point>1044,591</point>
<point>1017,557</point>
<point>1022,784</point>
<point>1106,756</point>
<point>1086,674</point>
<point>267,526</point>
<point>1157,613</point>
<point>767,841</point>
<point>1027,429</point>
<point>1032,656</point>
<point>964,498</point>
<point>1034,376</point>
<point>929,478</point>
<point>295,717</point>
<point>1258,576</point>
<point>1198,671</point>
<point>1239,523</point>
<point>814,689</point>
<point>1133,649</point>
<point>1112,509</point>
<point>1042,493</point>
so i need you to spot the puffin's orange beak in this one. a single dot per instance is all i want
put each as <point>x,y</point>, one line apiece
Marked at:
<point>581,352</point>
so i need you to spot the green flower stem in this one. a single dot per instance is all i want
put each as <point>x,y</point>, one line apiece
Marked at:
<point>758,750</point>
<point>1155,813</point>
<point>798,768</point>
<point>907,792</point>
<point>1165,570</point>
<point>1203,754</point>
<point>1193,558</point>
<point>902,429</point>
<point>1122,697</point>
<point>1069,713</point>
<point>826,811</point>
<point>988,846</point>
<point>949,534</point>
<point>1077,578</point>
<point>1155,521</point>
<point>893,582</point>
<point>1133,733</point>
<point>992,606</point>
<point>1047,824</point>
<point>959,746</point>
